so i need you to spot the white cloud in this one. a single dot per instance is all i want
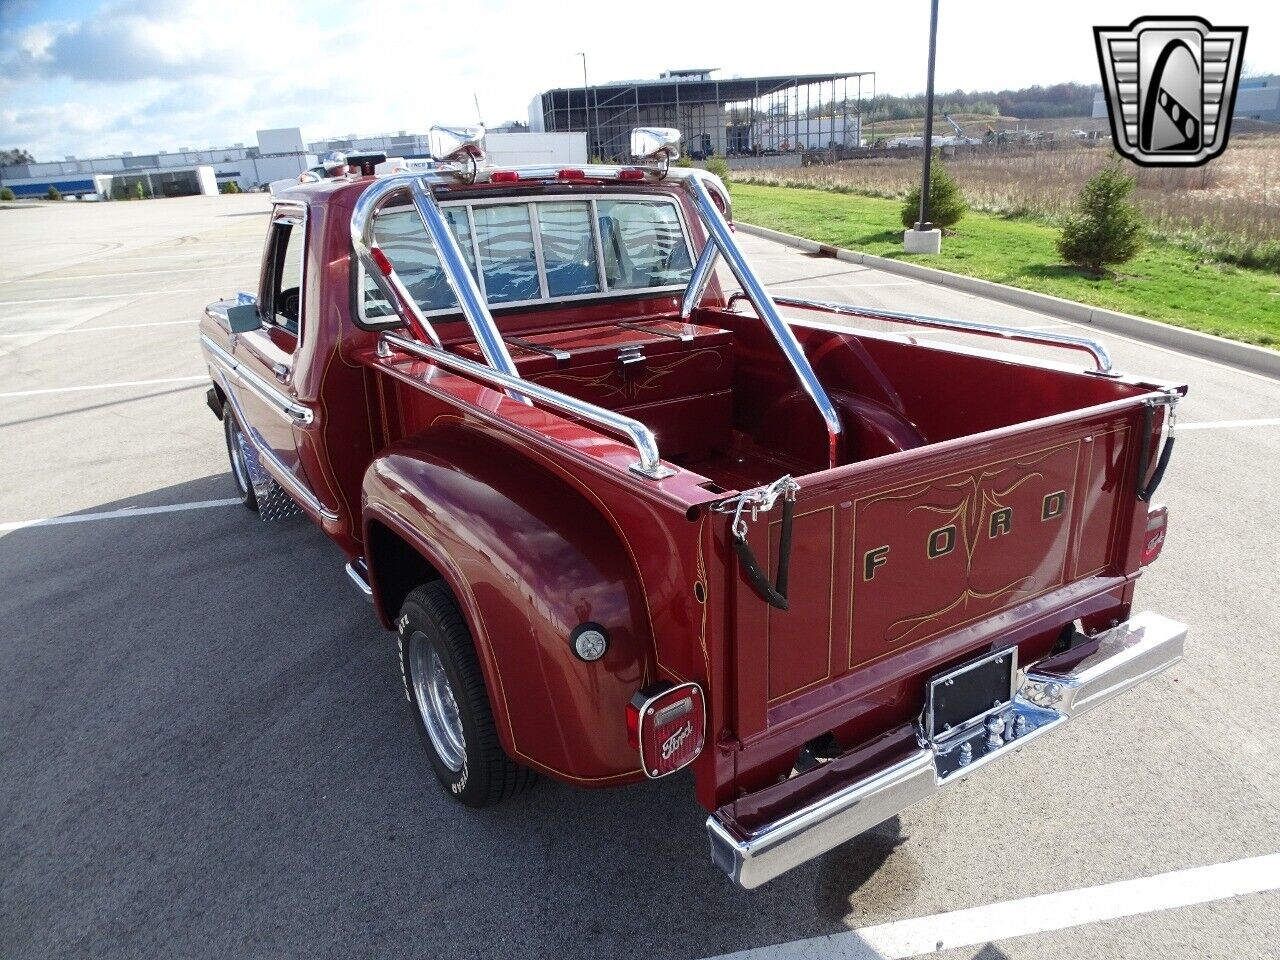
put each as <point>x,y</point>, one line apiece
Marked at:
<point>159,74</point>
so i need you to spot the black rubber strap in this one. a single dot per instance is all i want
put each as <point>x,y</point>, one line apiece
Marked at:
<point>1145,493</point>
<point>1156,477</point>
<point>775,596</point>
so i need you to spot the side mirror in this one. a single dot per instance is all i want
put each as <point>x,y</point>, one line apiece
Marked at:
<point>243,317</point>
<point>655,143</point>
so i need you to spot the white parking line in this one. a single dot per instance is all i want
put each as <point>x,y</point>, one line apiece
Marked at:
<point>837,284</point>
<point>117,326</point>
<point>111,296</point>
<point>1225,424</point>
<point>102,386</point>
<point>1041,914</point>
<point>114,514</point>
<point>123,274</point>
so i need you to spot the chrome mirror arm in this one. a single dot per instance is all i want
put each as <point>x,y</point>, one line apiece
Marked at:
<point>722,237</point>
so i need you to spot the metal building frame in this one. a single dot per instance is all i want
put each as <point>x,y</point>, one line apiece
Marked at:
<point>750,116</point>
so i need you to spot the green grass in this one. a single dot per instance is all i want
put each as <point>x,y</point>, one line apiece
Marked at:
<point>1165,282</point>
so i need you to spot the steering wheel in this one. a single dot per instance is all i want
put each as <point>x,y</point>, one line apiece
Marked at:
<point>287,304</point>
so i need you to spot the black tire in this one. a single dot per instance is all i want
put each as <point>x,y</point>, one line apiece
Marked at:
<point>239,472</point>
<point>430,624</point>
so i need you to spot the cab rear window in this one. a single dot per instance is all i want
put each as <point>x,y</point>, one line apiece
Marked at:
<point>537,250</point>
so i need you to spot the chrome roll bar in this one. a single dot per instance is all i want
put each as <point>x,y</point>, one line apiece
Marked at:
<point>650,463</point>
<point>702,274</point>
<point>1101,359</point>
<point>452,263</point>
<point>722,237</point>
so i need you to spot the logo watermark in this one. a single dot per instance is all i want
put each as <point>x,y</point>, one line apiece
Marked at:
<point>1170,85</point>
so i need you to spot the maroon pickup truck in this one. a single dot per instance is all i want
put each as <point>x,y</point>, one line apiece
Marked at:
<point>626,520</point>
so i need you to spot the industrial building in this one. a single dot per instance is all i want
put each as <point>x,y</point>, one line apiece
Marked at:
<point>278,155</point>
<point>1257,98</point>
<point>733,117</point>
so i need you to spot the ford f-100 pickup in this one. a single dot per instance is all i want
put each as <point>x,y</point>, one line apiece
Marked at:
<point>627,518</point>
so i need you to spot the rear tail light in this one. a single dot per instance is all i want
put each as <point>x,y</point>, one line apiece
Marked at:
<point>1153,538</point>
<point>667,724</point>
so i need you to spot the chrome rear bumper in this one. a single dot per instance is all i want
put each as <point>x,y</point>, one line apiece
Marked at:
<point>1127,655</point>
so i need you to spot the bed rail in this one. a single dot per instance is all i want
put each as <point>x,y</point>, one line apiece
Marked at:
<point>641,437</point>
<point>1101,359</point>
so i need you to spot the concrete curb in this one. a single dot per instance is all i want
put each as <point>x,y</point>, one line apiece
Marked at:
<point>1203,345</point>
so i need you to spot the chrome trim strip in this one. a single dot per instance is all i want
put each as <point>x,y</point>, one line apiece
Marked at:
<point>756,291</point>
<point>279,472</point>
<point>535,228</point>
<point>297,412</point>
<point>650,463</point>
<point>703,271</point>
<point>1126,656</point>
<point>1101,358</point>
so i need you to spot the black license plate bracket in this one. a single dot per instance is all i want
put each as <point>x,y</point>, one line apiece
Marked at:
<point>962,697</point>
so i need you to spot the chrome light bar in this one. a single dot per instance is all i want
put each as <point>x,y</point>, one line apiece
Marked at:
<point>1101,359</point>
<point>722,237</point>
<point>457,273</point>
<point>650,463</point>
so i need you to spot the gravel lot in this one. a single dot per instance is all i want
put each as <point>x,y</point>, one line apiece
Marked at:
<point>205,750</point>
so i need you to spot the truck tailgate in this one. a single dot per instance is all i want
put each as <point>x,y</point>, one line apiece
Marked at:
<point>892,559</point>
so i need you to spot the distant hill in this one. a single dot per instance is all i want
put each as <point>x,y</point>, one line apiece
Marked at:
<point>1029,103</point>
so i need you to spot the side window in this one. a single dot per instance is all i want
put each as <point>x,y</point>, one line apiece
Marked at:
<point>643,243</point>
<point>287,247</point>
<point>400,235</point>
<point>507,257</point>
<point>568,248</point>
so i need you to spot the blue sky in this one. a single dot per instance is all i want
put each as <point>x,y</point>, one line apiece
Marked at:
<point>85,78</point>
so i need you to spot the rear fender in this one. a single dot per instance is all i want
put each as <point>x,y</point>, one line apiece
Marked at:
<point>529,556</point>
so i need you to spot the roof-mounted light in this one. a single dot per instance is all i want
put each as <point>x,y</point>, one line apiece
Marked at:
<point>630,173</point>
<point>504,176</point>
<point>571,173</point>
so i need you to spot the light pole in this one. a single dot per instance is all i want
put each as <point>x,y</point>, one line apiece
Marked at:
<point>923,238</point>
<point>586,107</point>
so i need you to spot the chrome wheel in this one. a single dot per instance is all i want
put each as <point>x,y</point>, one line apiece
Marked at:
<point>238,465</point>
<point>433,696</point>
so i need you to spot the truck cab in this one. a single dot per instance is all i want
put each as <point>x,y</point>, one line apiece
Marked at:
<point>625,520</point>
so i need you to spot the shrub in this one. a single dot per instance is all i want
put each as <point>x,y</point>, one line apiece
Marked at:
<point>684,160</point>
<point>720,167</point>
<point>53,193</point>
<point>946,202</point>
<point>1105,227</point>
<point>140,191</point>
<point>6,194</point>
<point>233,186</point>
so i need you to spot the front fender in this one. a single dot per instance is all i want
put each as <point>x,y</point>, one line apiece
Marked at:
<point>529,556</point>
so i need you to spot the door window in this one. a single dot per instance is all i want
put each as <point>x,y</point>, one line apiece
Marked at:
<point>288,241</point>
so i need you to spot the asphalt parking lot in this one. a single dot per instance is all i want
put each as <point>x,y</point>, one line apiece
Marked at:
<point>205,750</point>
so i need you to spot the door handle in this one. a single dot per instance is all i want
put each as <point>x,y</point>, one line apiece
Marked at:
<point>281,371</point>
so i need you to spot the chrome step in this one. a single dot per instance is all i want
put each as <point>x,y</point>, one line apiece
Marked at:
<point>359,575</point>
